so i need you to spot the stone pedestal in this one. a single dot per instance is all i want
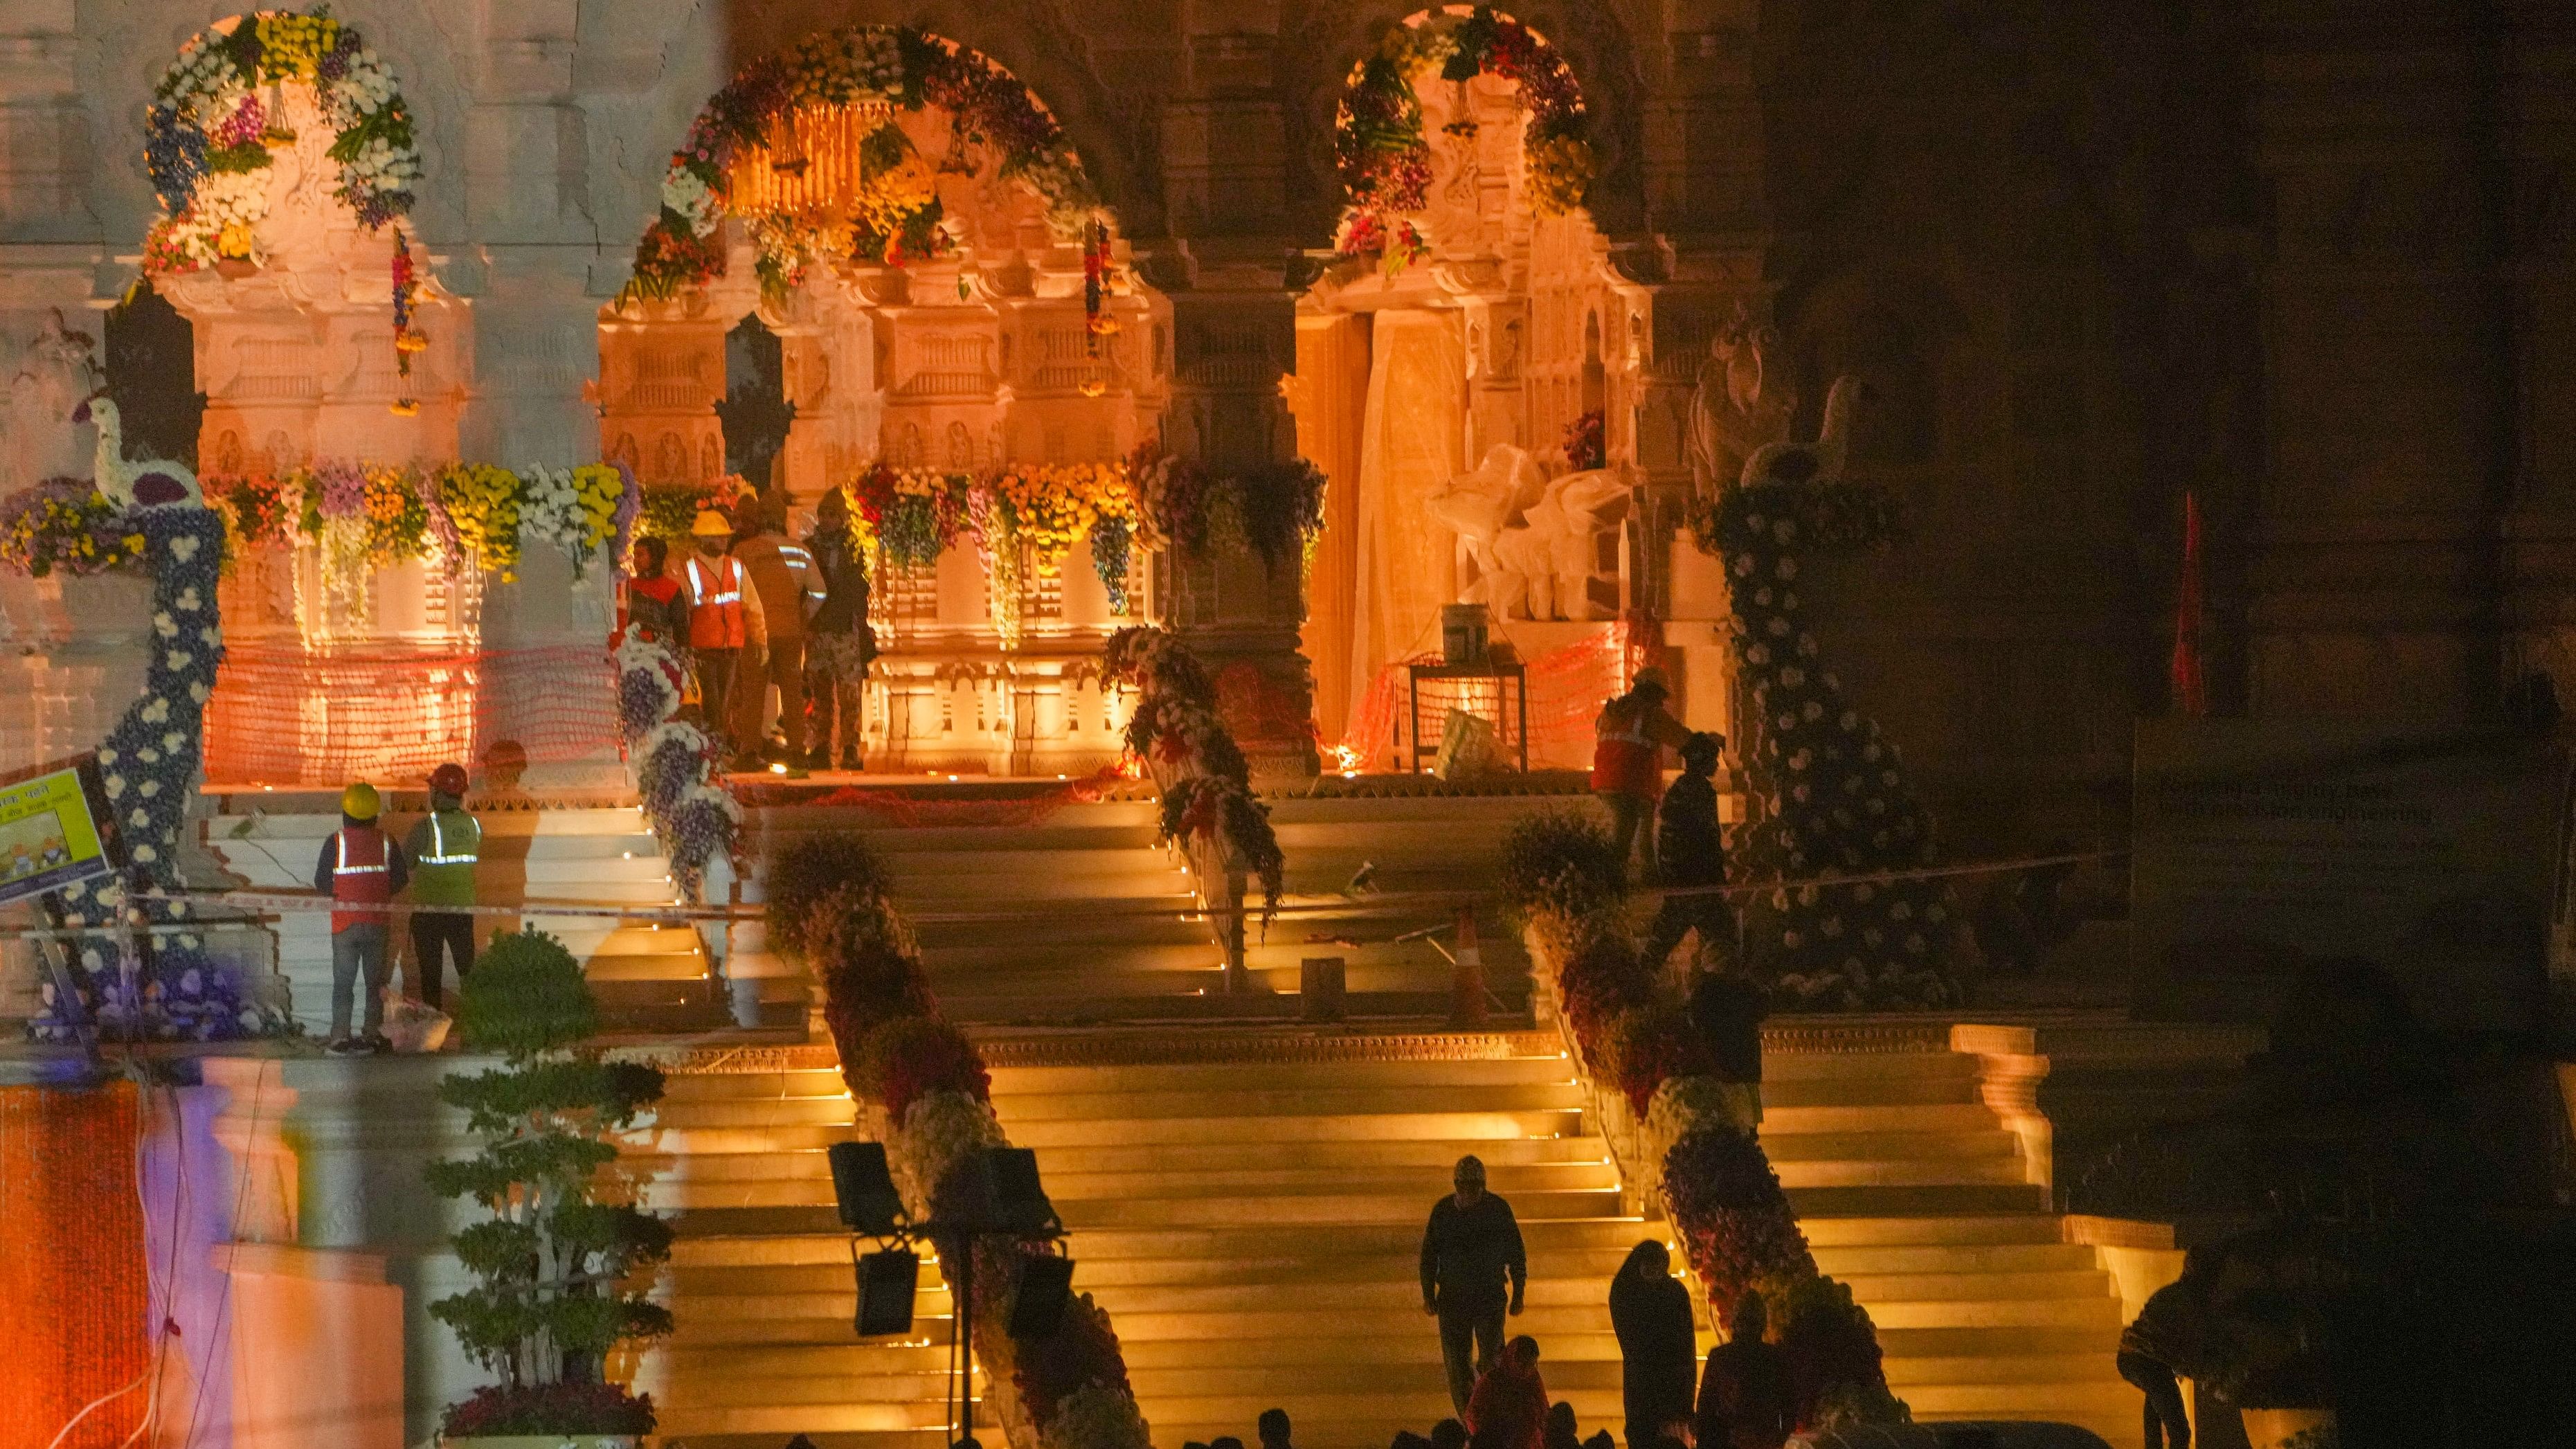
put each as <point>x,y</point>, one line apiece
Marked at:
<point>338,1249</point>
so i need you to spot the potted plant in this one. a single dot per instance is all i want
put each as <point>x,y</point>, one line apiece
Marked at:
<point>551,1260</point>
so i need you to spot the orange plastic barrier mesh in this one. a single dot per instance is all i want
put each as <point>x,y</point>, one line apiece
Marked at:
<point>287,715</point>
<point>1566,688</point>
<point>72,1280</point>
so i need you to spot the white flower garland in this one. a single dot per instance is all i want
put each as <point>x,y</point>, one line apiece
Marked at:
<point>939,1131</point>
<point>353,89</point>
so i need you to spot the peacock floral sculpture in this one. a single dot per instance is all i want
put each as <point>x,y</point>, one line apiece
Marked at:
<point>137,962</point>
<point>1831,795</point>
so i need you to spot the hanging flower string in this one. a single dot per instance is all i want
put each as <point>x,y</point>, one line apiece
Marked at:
<point>208,135</point>
<point>1384,156</point>
<point>468,515</point>
<point>1095,276</point>
<point>408,338</point>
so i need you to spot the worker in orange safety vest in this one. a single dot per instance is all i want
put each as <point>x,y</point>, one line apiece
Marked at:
<point>359,867</point>
<point>722,615</point>
<point>783,585</point>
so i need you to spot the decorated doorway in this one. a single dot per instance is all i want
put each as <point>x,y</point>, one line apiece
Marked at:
<point>280,147</point>
<point>962,350</point>
<point>1471,361</point>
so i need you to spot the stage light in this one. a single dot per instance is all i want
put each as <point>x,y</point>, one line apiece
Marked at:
<point>1046,1285</point>
<point>863,1187</point>
<point>1002,1195</point>
<point>887,1283</point>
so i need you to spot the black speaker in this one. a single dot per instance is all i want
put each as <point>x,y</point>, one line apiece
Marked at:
<point>864,1188</point>
<point>887,1281</point>
<point>1019,1204</point>
<point>1046,1285</point>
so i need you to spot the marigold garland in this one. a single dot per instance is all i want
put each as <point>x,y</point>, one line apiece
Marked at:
<point>369,515</point>
<point>1385,157</point>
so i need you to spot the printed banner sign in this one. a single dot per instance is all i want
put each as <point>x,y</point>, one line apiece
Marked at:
<point>49,831</point>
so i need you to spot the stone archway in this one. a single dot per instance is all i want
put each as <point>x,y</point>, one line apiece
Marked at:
<point>922,239</point>
<point>1473,369</point>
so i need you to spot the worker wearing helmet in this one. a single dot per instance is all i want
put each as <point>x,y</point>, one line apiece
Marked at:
<point>721,610</point>
<point>444,848</point>
<point>782,579</point>
<point>359,868</point>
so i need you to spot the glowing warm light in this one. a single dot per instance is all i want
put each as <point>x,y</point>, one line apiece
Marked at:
<point>778,768</point>
<point>76,1259</point>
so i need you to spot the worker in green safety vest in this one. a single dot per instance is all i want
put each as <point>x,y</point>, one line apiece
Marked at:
<point>444,847</point>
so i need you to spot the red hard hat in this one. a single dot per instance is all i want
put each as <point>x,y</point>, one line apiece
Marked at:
<point>448,779</point>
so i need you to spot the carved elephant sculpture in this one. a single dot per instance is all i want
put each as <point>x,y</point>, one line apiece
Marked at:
<point>1479,505</point>
<point>1544,567</point>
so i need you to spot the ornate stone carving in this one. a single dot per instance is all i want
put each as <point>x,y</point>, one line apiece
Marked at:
<point>37,439</point>
<point>1739,406</point>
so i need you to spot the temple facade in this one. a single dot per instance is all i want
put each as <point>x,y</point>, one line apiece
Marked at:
<point>2066,312</point>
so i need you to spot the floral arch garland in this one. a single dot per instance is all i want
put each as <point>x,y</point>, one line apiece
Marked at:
<point>1385,158</point>
<point>826,109</point>
<point>210,131</point>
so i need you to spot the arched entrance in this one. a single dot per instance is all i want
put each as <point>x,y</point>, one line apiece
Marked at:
<point>1473,366</point>
<point>281,150</point>
<point>962,347</point>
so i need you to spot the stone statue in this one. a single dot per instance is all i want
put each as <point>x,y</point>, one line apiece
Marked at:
<point>1738,406</point>
<point>38,439</point>
<point>1546,563</point>
<point>1820,461</point>
<point>1479,505</point>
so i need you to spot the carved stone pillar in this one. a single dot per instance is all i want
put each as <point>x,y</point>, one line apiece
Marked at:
<point>339,1249</point>
<point>536,353</point>
<point>1233,346</point>
<point>1234,341</point>
<point>2390,394</point>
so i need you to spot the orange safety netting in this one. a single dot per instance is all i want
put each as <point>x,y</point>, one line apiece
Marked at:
<point>73,1288</point>
<point>288,715</point>
<point>1566,687</point>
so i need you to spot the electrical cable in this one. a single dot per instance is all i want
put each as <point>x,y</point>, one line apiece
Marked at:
<point>224,1299</point>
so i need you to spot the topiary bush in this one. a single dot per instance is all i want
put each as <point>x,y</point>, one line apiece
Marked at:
<point>1559,867</point>
<point>801,874</point>
<point>550,1261</point>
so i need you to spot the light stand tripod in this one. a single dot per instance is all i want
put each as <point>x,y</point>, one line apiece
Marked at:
<point>996,1196</point>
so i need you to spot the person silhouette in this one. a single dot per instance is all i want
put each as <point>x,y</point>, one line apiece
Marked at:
<point>1650,1311</point>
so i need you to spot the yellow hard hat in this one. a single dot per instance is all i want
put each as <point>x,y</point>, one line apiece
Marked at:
<point>711,524</point>
<point>359,802</point>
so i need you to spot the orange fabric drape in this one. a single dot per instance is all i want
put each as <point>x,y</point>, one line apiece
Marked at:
<point>1410,440</point>
<point>73,1286</point>
<point>1332,396</point>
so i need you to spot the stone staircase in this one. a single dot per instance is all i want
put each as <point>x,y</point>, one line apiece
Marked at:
<point>596,853</point>
<point>1252,1218</point>
<point>1091,921</point>
<point>1247,1202</point>
<point>1912,1191</point>
<point>1251,1222</point>
<point>760,1281</point>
